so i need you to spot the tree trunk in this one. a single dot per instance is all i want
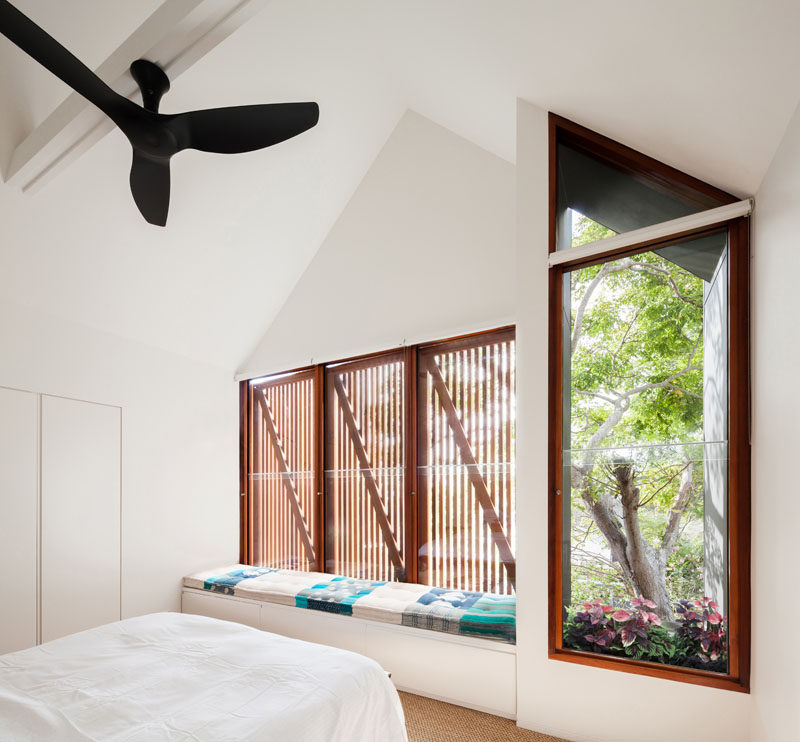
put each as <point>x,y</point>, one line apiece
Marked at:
<point>602,512</point>
<point>647,565</point>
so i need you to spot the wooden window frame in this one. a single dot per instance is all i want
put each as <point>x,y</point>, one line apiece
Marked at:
<point>400,551</point>
<point>414,524</point>
<point>246,458</point>
<point>738,678</point>
<point>501,540</point>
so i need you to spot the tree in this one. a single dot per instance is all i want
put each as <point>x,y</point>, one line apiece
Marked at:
<point>636,339</point>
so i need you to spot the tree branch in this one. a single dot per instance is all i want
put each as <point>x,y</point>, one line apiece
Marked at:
<point>681,503</point>
<point>660,384</point>
<point>624,340</point>
<point>604,272</point>
<point>684,391</point>
<point>620,408</point>
<point>695,346</point>
<point>597,395</point>
<point>654,269</point>
<point>669,481</point>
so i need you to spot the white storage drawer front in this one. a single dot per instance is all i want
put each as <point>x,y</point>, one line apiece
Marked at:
<point>478,673</point>
<point>210,605</point>
<point>478,677</point>
<point>313,626</point>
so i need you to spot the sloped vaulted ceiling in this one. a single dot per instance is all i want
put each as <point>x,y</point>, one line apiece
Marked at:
<point>708,87</point>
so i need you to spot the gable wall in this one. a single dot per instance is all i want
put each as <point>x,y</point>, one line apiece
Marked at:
<point>424,250</point>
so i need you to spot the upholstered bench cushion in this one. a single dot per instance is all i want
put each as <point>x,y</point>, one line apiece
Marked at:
<point>482,615</point>
<point>336,594</point>
<point>388,602</point>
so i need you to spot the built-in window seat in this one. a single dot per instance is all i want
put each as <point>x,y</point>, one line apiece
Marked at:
<point>465,655</point>
<point>481,615</point>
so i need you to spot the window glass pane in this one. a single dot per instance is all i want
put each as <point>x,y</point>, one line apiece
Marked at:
<point>617,200</point>
<point>466,464</point>
<point>282,492</point>
<point>365,468</point>
<point>645,450</point>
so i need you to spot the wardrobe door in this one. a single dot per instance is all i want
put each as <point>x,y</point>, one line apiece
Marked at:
<point>80,515</point>
<point>19,481</point>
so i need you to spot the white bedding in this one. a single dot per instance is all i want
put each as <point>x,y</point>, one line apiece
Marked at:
<point>170,676</point>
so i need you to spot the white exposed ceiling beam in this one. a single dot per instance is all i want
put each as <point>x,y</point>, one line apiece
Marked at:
<point>175,36</point>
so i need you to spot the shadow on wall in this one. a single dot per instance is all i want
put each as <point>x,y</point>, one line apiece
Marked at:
<point>16,120</point>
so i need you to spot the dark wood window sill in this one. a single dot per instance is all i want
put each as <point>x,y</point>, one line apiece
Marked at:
<point>681,674</point>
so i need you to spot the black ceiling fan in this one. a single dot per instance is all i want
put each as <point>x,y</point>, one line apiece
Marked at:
<point>156,137</point>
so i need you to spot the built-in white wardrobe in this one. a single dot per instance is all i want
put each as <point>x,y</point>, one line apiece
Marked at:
<point>59,516</point>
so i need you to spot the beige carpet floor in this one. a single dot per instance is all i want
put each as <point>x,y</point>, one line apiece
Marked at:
<point>433,721</point>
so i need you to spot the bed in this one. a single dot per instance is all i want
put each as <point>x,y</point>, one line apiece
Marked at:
<point>169,676</point>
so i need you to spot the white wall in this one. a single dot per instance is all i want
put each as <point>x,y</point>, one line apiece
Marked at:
<point>776,411</point>
<point>179,444</point>
<point>423,250</point>
<point>580,703</point>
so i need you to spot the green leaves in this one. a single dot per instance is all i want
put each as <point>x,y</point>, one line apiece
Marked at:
<point>639,341</point>
<point>584,230</point>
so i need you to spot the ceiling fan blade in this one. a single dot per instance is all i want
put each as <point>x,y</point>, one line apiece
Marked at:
<point>150,187</point>
<point>242,128</point>
<point>62,63</point>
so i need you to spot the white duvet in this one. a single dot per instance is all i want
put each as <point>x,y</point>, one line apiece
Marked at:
<point>170,676</point>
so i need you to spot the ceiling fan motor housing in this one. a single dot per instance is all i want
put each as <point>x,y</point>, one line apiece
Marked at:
<point>152,81</point>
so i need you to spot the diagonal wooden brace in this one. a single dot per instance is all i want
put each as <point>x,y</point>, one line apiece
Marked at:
<point>291,491</point>
<point>483,496</point>
<point>369,478</point>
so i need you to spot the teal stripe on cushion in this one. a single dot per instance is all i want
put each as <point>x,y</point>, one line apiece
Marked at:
<point>488,619</point>
<point>350,599</point>
<point>337,595</point>
<point>491,617</point>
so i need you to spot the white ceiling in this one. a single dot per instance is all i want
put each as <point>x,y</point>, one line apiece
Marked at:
<point>27,91</point>
<point>706,86</point>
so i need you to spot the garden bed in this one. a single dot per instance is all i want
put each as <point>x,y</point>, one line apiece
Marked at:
<point>696,638</point>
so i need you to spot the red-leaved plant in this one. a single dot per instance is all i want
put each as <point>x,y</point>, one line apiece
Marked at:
<point>702,628</point>
<point>606,628</point>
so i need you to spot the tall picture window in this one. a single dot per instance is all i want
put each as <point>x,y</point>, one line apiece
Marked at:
<point>649,419</point>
